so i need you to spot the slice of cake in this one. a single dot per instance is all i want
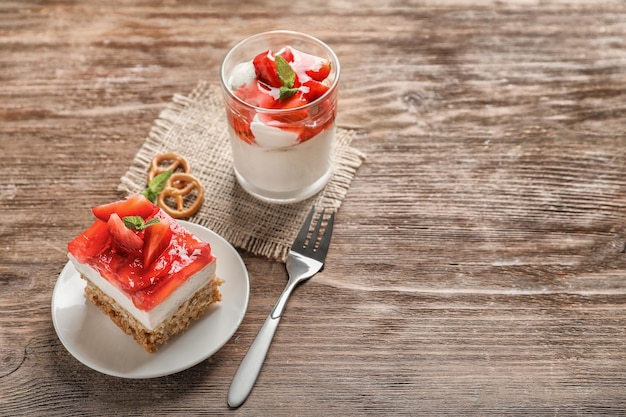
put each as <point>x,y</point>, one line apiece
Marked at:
<point>150,275</point>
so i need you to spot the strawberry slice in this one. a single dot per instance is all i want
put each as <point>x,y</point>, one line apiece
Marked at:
<point>256,94</point>
<point>155,240</point>
<point>286,53</point>
<point>265,69</point>
<point>292,103</point>
<point>318,69</point>
<point>91,242</point>
<point>319,72</point>
<point>313,66</point>
<point>135,205</point>
<point>241,127</point>
<point>316,90</point>
<point>286,120</point>
<point>127,239</point>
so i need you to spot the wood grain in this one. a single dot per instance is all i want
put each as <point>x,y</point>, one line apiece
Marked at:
<point>478,261</point>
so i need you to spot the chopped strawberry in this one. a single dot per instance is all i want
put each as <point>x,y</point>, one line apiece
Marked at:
<point>315,67</point>
<point>321,72</point>
<point>295,101</point>
<point>324,112</point>
<point>123,236</point>
<point>286,53</point>
<point>256,94</point>
<point>91,242</point>
<point>292,103</point>
<point>316,90</point>
<point>155,240</point>
<point>241,127</point>
<point>265,68</point>
<point>135,205</point>
<point>311,132</point>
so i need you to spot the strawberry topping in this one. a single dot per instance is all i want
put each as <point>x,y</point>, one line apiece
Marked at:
<point>156,239</point>
<point>149,264</point>
<point>90,243</point>
<point>315,90</point>
<point>300,79</point>
<point>135,205</point>
<point>126,239</point>
<point>265,69</point>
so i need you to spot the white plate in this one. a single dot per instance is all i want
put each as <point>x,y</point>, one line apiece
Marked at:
<point>92,338</point>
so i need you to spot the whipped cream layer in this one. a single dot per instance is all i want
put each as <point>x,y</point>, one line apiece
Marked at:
<point>283,168</point>
<point>152,318</point>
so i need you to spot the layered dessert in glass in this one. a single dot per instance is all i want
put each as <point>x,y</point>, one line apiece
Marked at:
<point>280,92</point>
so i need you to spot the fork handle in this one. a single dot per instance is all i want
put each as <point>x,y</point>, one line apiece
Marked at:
<point>250,367</point>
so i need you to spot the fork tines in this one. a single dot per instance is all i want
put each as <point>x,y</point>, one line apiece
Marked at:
<point>310,247</point>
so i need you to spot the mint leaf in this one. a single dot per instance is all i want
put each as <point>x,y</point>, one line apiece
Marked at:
<point>156,185</point>
<point>286,93</point>
<point>133,222</point>
<point>138,223</point>
<point>285,72</point>
<point>154,220</point>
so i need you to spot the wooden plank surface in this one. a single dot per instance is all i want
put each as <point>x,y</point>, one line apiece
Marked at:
<point>478,263</point>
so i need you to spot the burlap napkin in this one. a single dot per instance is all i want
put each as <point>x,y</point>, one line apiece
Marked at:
<point>195,127</point>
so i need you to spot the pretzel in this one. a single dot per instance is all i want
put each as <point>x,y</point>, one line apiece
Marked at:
<point>177,162</point>
<point>177,187</point>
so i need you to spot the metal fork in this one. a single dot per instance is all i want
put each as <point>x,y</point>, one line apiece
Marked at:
<point>305,259</point>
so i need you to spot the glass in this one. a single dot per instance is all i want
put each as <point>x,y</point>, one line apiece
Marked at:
<point>280,155</point>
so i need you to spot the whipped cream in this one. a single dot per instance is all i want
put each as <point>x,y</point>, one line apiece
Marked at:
<point>152,318</point>
<point>242,74</point>
<point>272,137</point>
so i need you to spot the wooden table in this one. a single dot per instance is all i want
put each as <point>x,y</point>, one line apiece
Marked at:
<point>478,263</point>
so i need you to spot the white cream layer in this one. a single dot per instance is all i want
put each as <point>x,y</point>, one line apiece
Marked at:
<point>283,169</point>
<point>150,319</point>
